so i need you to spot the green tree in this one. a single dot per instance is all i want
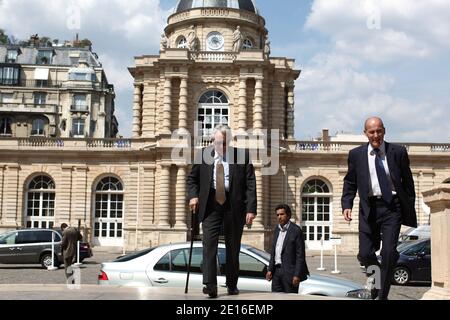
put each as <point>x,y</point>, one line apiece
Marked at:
<point>3,37</point>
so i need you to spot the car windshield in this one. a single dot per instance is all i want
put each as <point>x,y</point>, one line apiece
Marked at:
<point>260,253</point>
<point>134,255</point>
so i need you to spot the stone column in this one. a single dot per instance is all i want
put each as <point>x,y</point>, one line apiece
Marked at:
<point>290,110</point>
<point>242,120</point>
<point>1,192</point>
<point>137,111</point>
<point>164,197</point>
<point>183,106</point>
<point>180,212</point>
<point>258,222</point>
<point>10,196</point>
<point>167,108</point>
<point>258,110</point>
<point>149,110</point>
<point>64,197</point>
<point>438,199</point>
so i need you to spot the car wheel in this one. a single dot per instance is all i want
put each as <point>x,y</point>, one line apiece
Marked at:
<point>46,261</point>
<point>401,276</point>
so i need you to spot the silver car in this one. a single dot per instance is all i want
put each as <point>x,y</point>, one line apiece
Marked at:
<point>166,266</point>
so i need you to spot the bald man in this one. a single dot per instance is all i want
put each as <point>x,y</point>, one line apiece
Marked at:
<point>379,171</point>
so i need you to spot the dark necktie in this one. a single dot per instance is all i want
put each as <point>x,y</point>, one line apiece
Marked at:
<point>220,183</point>
<point>382,177</point>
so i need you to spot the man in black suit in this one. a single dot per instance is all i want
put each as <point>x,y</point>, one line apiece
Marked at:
<point>287,266</point>
<point>379,171</point>
<point>222,189</point>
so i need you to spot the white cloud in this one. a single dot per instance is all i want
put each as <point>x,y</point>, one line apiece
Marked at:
<point>334,94</point>
<point>384,31</point>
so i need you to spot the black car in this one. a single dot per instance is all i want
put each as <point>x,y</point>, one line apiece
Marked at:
<point>414,262</point>
<point>32,246</point>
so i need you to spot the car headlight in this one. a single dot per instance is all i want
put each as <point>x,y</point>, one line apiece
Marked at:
<point>359,294</point>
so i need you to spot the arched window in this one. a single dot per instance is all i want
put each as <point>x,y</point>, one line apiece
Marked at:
<point>108,212</point>
<point>5,127</point>
<point>316,213</point>
<point>248,44</point>
<point>40,203</point>
<point>182,43</point>
<point>212,111</point>
<point>38,127</point>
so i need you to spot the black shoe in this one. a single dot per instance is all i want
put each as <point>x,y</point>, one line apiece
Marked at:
<point>233,291</point>
<point>374,294</point>
<point>210,290</point>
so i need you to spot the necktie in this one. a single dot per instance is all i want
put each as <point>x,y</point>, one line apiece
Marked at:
<point>382,177</point>
<point>220,183</point>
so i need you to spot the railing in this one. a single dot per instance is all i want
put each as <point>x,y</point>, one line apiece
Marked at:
<point>65,144</point>
<point>213,56</point>
<point>79,108</point>
<point>28,107</point>
<point>204,142</point>
<point>31,83</point>
<point>48,84</point>
<point>317,146</point>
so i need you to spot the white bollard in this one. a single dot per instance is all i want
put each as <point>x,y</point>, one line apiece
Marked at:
<point>321,268</point>
<point>78,255</point>
<point>335,271</point>
<point>53,268</point>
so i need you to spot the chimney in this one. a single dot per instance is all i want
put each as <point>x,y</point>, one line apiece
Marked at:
<point>326,135</point>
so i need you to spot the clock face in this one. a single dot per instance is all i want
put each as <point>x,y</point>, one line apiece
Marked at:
<point>215,41</point>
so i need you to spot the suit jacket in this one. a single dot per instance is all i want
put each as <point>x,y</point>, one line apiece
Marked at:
<point>242,191</point>
<point>293,261</point>
<point>358,179</point>
<point>69,242</point>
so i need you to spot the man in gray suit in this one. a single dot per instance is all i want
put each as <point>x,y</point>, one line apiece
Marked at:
<point>70,239</point>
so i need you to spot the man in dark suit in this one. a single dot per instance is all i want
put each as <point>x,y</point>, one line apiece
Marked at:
<point>379,171</point>
<point>287,266</point>
<point>222,189</point>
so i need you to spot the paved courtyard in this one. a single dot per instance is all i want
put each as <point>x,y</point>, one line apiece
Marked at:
<point>34,274</point>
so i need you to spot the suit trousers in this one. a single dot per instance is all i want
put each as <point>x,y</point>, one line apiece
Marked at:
<point>384,225</point>
<point>219,219</point>
<point>282,281</point>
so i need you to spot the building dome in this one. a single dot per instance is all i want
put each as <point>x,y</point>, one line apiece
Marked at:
<point>247,5</point>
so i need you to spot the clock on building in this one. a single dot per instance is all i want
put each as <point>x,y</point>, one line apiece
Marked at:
<point>215,41</point>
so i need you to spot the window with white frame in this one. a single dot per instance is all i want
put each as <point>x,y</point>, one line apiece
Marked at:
<point>182,43</point>
<point>5,127</point>
<point>10,76</point>
<point>212,111</point>
<point>12,55</point>
<point>40,98</point>
<point>316,213</point>
<point>40,203</point>
<point>79,102</point>
<point>78,127</point>
<point>248,44</point>
<point>38,127</point>
<point>109,210</point>
<point>44,57</point>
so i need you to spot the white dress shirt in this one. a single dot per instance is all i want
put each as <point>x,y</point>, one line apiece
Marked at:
<point>375,189</point>
<point>279,246</point>
<point>226,171</point>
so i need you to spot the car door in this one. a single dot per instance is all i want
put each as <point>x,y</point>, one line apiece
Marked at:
<point>171,269</point>
<point>8,248</point>
<point>28,246</point>
<point>252,272</point>
<point>424,263</point>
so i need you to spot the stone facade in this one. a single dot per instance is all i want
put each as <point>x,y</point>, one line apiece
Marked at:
<point>131,193</point>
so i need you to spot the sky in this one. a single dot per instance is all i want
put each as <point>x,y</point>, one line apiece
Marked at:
<point>358,58</point>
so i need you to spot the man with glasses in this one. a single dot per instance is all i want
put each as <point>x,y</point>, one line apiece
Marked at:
<point>222,190</point>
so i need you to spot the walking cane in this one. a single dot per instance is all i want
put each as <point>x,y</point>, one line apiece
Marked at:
<point>190,251</point>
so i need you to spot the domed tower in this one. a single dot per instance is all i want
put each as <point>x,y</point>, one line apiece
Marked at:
<point>214,67</point>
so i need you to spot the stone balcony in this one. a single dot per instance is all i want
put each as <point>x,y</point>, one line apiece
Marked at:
<point>29,108</point>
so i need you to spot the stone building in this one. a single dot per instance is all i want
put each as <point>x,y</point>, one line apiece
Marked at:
<point>54,91</point>
<point>214,66</point>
